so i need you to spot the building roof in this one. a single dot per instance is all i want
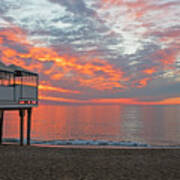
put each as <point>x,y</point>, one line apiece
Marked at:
<point>20,69</point>
<point>14,69</point>
<point>5,68</point>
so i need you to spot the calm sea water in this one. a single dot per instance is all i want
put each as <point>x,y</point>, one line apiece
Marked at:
<point>100,125</point>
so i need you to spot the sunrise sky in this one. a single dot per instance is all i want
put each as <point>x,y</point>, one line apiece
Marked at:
<point>96,51</point>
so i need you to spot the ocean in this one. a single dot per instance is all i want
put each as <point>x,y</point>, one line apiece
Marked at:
<point>100,125</point>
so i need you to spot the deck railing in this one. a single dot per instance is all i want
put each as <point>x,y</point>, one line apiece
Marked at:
<point>18,87</point>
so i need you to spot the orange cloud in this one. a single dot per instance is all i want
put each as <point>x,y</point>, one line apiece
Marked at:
<point>142,82</point>
<point>96,73</point>
<point>149,71</point>
<point>115,101</point>
<point>58,99</point>
<point>175,100</point>
<point>52,88</point>
<point>128,101</point>
<point>15,34</point>
<point>167,58</point>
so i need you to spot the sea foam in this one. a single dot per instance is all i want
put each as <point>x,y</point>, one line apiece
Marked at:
<point>91,143</point>
<point>82,142</point>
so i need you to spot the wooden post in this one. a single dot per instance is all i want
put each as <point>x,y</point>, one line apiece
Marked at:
<point>21,113</point>
<point>29,112</point>
<point>1,124</point>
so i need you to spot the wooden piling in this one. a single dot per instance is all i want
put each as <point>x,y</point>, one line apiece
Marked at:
<point>1,125</point>
<point>29,112</point>
<point>21,113</point>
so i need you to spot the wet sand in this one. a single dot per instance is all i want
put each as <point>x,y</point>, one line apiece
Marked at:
<point>43,163</point>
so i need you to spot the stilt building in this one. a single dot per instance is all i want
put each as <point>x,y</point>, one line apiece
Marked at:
<point>18,92</point>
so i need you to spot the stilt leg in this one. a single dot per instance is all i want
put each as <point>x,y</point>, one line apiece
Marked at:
<point>21,113</point>
<point>29,111</point>
<point>1,124</point>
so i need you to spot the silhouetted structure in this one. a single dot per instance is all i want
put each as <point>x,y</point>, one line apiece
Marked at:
<point>18,91</point>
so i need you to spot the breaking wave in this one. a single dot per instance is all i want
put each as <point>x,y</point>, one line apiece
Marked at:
<point>92,143</point>
<point>82,142</point>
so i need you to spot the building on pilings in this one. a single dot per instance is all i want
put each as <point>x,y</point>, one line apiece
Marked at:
<point>18,91</point>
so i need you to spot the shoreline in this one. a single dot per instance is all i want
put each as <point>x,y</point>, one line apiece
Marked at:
<point>106,147</point>
<point>35,162</point>
<point>93,144</point>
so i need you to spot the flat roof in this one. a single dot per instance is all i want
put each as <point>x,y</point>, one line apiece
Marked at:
<point>5,68</point>
<point>13,69</point>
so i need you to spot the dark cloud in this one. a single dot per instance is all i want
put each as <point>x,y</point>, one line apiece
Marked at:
<point>77,7</point>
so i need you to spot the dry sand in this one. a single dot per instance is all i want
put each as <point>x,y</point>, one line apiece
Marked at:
<point>40,163</point>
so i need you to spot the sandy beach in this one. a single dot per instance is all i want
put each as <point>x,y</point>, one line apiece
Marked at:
<point>44,163</point>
